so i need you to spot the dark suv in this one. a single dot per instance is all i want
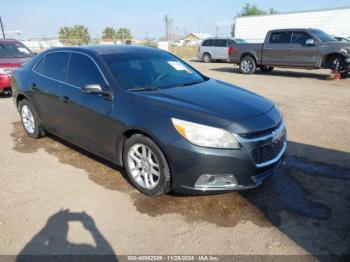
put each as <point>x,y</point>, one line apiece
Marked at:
<point>168,125</point>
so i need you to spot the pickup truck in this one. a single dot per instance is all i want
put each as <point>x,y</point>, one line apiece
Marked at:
<point>297,48</point>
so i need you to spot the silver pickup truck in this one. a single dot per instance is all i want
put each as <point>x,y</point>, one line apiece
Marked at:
<point>298,48</point>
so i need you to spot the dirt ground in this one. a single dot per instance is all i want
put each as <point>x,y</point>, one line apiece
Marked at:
<point>58,199</point>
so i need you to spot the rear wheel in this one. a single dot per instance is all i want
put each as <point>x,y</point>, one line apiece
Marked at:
<point>30,120</point>
<point>146,166</point>
<point>207,58</point>
<point>247,65</point>
<point>266,69</point>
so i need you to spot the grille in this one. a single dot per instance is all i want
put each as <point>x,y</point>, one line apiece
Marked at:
<point>262,133</point>
<point>264,153</point>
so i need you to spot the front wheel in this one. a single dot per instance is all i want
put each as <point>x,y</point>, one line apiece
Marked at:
<point>146,166</point>
<point>207,58</point>
<point>247,65</point>
<point>30,120</point>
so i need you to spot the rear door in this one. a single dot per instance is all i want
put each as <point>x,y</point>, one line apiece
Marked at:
<point>208,47</point>
<point>87,116</point>
<point>221,49</point>
<point>300,54</point>
<point>275,48</point>
<point>48,77</point>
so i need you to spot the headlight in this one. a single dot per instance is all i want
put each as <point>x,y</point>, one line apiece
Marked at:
<point>5,71</point>
<point>205,136</point>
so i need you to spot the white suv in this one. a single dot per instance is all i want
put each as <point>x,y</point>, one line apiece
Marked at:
<point>216,48</point>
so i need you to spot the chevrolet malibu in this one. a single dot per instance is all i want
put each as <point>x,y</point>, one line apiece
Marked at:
<point>168,125</point>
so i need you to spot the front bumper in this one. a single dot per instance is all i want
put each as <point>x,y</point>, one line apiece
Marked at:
<point>190,162</point>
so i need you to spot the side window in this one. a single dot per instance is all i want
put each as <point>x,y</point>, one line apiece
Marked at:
<point>280,37</point>
<point>231,42</point>
<point>221,43</point>
<point>208,43</point>
<point>300,38</point>
<point>82,71</point>
<point>53,65</point>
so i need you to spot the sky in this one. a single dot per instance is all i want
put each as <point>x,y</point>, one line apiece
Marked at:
<point>43,18</point>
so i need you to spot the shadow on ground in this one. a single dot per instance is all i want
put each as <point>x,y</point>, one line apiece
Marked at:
<point>277,72</point>
<point>307,200</point>
<point>51,242</point>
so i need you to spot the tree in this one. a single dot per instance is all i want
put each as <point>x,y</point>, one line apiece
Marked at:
<point>249,10</point>
<point>108,33</point>
<point>76,35</point>
<point>123,34</point>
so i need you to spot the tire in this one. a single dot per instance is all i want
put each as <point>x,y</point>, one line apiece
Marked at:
<point>150,177</point>
<point>247,65</point>
<point>266,69</point>
<point>207,58</point>
<point>30,121</point>
<point>337,63</point>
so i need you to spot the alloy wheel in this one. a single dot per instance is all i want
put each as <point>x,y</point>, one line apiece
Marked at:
<point>28,119</point>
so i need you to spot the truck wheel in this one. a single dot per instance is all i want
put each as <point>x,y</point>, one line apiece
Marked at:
<point>337,63</point>
<point>247,65</point>
<point>266,69</point>
<point>207,58</point>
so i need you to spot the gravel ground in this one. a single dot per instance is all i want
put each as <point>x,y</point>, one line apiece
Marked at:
<point>58,199</point>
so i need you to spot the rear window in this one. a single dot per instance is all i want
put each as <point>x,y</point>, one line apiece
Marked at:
<point>280,37</point>
<point>53,65</point>
<point>208,43</point>
<point>221,43</point>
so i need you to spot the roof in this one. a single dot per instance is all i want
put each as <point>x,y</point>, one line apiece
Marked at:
<point>201,36</point>
<point>108,49</point>
<point>8,40</point>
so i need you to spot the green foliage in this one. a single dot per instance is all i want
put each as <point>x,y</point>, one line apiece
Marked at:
<point>76,35</point>
<point>123,34</point>
<point>249,10</point>
<point>108,33</point>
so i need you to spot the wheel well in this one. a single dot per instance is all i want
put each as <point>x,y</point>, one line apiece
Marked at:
<point>126,135</point>
<point>206,53</point>
<point>248,54</point>
<point>19,98</point>
<point>130,133</point>
<point>329,58</point>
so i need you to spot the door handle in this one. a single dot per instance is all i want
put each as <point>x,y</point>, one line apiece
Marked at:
<point>267,48</point>
<point>65,99</point>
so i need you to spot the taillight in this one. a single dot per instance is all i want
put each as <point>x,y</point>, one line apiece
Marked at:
<point>230,51</point>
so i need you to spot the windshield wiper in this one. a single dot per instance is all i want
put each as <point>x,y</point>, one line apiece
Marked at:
<point>143,89</point>
<point>189,83</point>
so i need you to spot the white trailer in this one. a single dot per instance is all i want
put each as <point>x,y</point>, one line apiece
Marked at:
<point>333,21</point>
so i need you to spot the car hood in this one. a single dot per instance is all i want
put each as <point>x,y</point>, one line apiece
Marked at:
<point>213,97</point>
<point>12,62</point>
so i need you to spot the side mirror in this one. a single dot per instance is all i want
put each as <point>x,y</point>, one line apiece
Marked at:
<point>310,42</point>
<point>96,89</point>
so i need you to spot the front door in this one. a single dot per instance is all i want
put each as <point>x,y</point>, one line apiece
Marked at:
<point>88,116</point>
<point>299,53</point>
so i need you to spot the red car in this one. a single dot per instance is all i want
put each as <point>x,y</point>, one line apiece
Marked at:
<point>12,55</point>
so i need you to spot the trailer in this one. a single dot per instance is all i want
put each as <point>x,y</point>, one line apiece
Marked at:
<point>333,21</point>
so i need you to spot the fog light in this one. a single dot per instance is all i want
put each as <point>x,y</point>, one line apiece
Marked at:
<point>216,181</point>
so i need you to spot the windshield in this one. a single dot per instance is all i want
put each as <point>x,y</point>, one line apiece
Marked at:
<point>14,50</point>
<point>152,69</point>
<point>241,41</point>
<point>324,37</point>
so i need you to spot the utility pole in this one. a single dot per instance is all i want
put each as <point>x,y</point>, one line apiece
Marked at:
<point>2,28</point>
<point>217,31</point>
<point>166,21</point>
